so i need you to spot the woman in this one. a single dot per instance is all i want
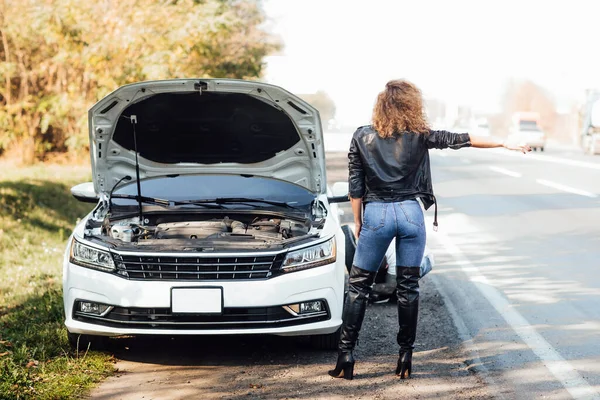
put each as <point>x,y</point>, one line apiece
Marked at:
<point>388,171</point>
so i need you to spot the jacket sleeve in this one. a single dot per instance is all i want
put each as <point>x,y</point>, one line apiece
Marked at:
<point>444,140</point>
<point>356,172</point>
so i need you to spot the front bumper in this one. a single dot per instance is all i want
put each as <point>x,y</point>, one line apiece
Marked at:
<point>144,307</point>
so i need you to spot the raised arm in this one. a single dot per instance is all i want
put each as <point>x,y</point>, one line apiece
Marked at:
<point>450,140</point>
<point>447,140</point>
<point>483,142</point>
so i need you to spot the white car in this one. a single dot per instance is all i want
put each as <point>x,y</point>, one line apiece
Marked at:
<point>482,129</point>
<point>212,217</point>
<point>528,133</point>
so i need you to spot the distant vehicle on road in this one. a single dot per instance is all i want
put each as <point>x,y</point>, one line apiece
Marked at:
<point>525,129</point>
<point>482,128</point>
<point>590,132</point>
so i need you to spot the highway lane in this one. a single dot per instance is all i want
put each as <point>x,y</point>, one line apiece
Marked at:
<point>517,254</point>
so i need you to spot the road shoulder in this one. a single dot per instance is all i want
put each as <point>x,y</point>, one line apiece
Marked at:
<point>277,368</point>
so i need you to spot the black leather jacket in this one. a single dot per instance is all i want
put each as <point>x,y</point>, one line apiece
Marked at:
<point>396,168</point>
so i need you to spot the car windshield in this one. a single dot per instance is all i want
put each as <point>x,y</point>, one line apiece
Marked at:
<point>182,188</point>
<point>528,126</point>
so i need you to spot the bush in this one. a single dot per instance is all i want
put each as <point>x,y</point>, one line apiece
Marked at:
<point>58,57</point>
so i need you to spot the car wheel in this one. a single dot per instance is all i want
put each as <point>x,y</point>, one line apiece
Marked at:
<point>534,148</point>
<point>326,342</point>
<point>82,343</point>
<point>350,245</point>
<point>542,148</point>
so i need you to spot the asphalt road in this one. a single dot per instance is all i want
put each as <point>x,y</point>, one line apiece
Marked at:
<point>511,310</point>
<point>518,266</point>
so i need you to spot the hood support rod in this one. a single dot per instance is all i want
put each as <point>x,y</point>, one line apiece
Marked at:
<point>133,119</point>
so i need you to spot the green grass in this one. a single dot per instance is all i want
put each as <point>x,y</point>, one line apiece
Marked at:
<point>37,214</point>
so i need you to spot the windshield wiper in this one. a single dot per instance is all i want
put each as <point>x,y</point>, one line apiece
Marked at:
<point>241,200</point>
<point>143,199</point>
<point>207,204</point>
<point>161,202</point>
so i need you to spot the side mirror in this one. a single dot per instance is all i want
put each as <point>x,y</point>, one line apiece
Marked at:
<point>84,192</point>
<point>340,193</point>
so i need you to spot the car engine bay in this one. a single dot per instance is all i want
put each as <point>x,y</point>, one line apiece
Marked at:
<point>176,232</point>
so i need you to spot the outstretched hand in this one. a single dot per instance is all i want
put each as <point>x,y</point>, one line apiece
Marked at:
<point>522,148</point>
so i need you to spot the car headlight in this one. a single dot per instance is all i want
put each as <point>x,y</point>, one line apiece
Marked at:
<point>310,257</point>
<point>91,257</point>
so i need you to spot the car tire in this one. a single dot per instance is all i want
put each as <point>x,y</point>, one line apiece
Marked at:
<point>350,245</point>
<point>542,148</point>
<point>82,343</point>
<point>326,342</point>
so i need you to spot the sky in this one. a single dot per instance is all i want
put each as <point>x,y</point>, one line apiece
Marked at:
<point>461,51</point>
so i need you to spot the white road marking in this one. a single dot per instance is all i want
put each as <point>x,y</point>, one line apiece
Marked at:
<point>506,172</point>
<point>565,188</point>
<point>465,161</point>
<point>464,335</point>
<point>562,370</point>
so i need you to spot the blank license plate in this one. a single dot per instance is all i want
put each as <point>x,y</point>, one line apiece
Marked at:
<point>197,301</point>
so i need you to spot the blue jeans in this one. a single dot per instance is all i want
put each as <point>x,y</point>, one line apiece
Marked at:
<point>384,221</point>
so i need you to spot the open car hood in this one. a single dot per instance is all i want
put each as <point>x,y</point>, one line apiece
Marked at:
<point>206,126</point>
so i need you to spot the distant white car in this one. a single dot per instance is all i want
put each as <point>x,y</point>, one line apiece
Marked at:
<point>482,129</point>
<point>528,133</point>
<point>213,217</point>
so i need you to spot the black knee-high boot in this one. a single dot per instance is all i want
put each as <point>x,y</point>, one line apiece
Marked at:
<point>360,283</point>
<point>407,291</point>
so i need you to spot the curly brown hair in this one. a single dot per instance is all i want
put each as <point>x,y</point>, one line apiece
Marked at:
<point>399,108</point>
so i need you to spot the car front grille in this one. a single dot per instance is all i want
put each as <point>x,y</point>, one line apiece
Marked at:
<point>197,268</point>
<point>231,318</point>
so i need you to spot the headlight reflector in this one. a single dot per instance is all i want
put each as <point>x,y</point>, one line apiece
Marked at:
<point>310,257</point>
<point>307,307</point>
<point>91,257</point>
<point>89,307</point>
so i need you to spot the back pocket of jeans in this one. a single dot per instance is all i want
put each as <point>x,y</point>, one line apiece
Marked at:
<point>413,213</point>
<point>374,216</point>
